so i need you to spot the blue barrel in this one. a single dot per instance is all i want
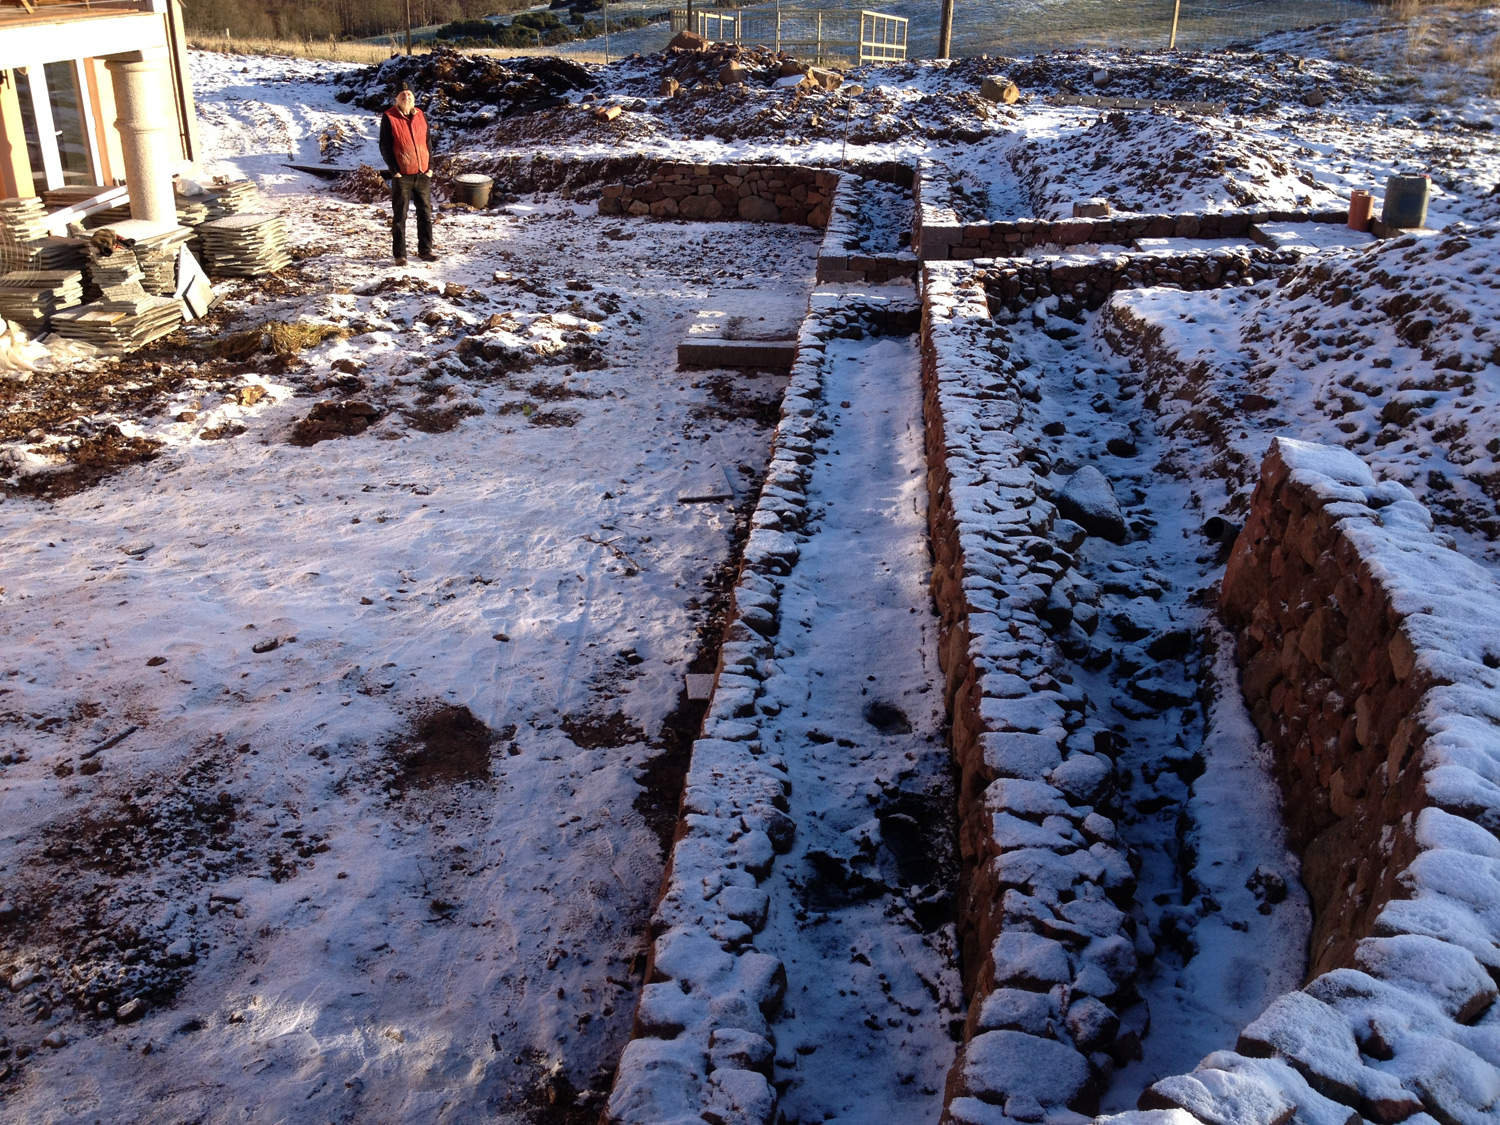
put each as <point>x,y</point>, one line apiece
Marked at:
<point>1405,203</point>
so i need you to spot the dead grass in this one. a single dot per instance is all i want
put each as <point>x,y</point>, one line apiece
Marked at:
<point>353,51</point>
<point>339,51</point>
<point>279,337</point>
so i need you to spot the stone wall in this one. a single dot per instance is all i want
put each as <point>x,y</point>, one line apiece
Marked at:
<point>1089,279</point>
<point>943,232</point>
<point>1331,642</point>
<point>759,193</point>
<point>703,1041</point>
<point>1373,665</point>
<point>841,258</point>
<point>1048,943</point>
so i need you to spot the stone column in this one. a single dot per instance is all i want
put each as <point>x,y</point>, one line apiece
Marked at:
<point>146,125</point>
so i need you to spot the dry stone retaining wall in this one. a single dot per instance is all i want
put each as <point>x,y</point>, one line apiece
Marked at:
<point>1373,665</point>
<point>760,193</point>
<point>942,232</point>
<point>703,1042</point>
<point>836,263</point>
<point>1089,279</point>
<point>1048,940</point>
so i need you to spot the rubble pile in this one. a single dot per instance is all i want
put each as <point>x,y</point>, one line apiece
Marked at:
<point>363,184</point>
<point>1249,81</point>
<point>468,91</point>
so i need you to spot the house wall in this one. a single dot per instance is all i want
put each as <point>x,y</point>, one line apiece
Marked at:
<point>33,43</point>
<point>15,166</point>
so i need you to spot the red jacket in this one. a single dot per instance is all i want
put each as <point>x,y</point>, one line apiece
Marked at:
<point>403,142</point>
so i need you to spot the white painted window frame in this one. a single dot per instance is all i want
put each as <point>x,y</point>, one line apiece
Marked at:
<point>46,127</point>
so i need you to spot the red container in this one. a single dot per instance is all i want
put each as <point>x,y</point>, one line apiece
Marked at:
<point>1361,209</point>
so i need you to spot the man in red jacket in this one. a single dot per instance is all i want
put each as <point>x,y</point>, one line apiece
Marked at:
<point>404,143</point>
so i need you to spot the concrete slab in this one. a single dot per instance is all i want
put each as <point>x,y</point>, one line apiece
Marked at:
<point>714,483</point>
<point>745,328</point>
<point>1187,245</point>
<point>1309,236</point>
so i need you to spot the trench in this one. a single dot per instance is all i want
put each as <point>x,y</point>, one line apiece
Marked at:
<point>862,907</point>
<point>1222,919</point>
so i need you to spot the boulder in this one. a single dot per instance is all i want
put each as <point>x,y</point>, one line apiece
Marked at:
<point>828,79</point>
<point>998,88</point>
<point>688,41</point>
<point>790,67</point>
<point>733,74</point>
<point>668,87</point>
<point>1101,78</point>
<point>700,207</point>
<point>1089,501</point>
<point>754,209</point>
<point>1091,209</point>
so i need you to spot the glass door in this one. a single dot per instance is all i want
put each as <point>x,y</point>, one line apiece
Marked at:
<point>32,129</point>
<point>59,125</point>
<point>71,123</point>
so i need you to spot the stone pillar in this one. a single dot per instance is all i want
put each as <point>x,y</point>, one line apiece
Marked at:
<point>146,125</point>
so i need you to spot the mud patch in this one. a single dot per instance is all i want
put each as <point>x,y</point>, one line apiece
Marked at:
<point>887,718</point>
<point>441,420</point>
<point>733,401</point>
<point>602,732</point>
<point>334,419</point>
<point>93,459</point>
<point>447,746</point>
<point>86,940</point>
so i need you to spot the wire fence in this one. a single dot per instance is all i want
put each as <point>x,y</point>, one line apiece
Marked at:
<point>1022,27</point>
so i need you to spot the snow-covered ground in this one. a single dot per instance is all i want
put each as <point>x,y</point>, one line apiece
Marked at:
<point>364,831</point>
<point>339,757</point>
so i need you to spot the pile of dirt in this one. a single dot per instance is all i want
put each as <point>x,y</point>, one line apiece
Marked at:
<point>334,419</point>
<point>1248,81</point>
<point>1398,342</point>
<point>362,185</point>
<point>468,90</point>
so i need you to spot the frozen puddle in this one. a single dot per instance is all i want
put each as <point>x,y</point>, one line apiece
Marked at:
<point>861,909</point>
<point>1224,918</point>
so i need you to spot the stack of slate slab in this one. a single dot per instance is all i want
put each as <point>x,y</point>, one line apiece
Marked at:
<point>125,318</point>
<point>232,197</point>
<point>23,219</point>
<point>25,243</point>
<point>244,245</point>
<point>143,251</point>
<point>30,297</point>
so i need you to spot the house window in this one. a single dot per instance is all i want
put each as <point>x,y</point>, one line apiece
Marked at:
<point>58,124</point>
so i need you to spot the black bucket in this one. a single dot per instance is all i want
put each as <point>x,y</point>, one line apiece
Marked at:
<point>472,189</point>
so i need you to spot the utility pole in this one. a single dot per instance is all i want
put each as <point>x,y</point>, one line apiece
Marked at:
<point>945,31</point>
<point>408,27</point>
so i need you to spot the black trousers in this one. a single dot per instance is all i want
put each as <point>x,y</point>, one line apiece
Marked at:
<point>406,190</point>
